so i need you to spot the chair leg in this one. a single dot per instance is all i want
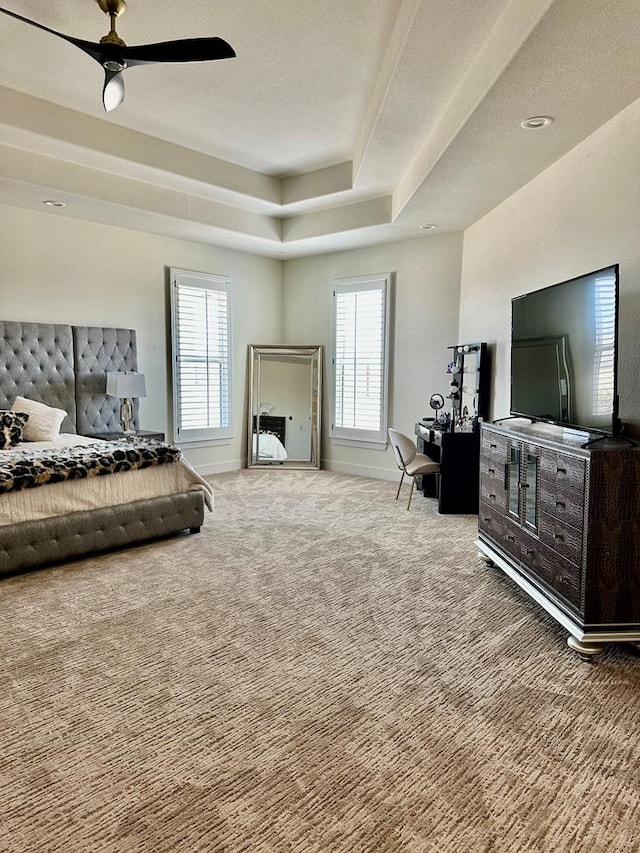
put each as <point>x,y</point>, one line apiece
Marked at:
<point>399,486</point>
<point>413,482</point>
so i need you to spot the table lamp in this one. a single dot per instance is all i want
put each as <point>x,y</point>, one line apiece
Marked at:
<point>126,386</point>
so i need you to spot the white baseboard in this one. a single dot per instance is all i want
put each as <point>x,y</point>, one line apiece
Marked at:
<point>361,470</point>
<point>219,467</point>
<point>339,468</point>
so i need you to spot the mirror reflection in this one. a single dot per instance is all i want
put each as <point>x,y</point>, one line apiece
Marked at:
<point>285,405</point>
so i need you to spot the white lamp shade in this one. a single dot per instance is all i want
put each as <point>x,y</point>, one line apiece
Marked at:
<point>124,385</point>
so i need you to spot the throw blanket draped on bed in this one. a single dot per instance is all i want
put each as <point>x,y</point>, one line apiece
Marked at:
<point>26,469</point>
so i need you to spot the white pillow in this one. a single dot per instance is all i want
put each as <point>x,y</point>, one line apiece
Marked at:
<point>44,421</point>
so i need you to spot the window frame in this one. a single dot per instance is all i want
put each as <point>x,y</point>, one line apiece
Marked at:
<point>368,439</point>
<point>220,284</point>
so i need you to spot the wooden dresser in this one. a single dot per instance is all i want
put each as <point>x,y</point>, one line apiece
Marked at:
<point>564,522</point>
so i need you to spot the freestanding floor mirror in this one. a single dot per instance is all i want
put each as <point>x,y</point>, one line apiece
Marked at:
<point>285,403</point>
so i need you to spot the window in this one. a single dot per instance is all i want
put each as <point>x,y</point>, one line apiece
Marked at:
<point>360,358</point>
<point>201,356</point>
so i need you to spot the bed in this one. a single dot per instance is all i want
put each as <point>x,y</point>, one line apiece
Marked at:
<point>152,491</point>
<point>267,446</point>
<point>269,438</point>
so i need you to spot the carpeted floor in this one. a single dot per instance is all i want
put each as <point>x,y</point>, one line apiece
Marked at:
<point>319,671</point>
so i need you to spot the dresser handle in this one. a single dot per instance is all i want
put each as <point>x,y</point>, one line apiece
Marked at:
<point>561,470</point>
<point>491,470</point>
<point>486,520</point>
<point>559,537</point>
<point>492,497</point>
<point>560,504</point>
<point>493,446</point>
<point>530,553</point>
<point>510,538</point>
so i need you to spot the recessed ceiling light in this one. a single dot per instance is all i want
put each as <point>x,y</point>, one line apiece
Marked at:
<point>429,227</point>
<point>50,202</point>
<point>536,122</point>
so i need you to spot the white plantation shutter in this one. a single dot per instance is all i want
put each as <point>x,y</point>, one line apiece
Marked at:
<point>201,335</point>
<point>360,358</point>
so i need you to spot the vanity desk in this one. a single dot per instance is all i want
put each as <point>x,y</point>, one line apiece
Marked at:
<point>453,439</point>
<point>459,456</point>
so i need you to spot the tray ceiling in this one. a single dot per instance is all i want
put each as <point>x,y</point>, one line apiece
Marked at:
<point>339,124</point>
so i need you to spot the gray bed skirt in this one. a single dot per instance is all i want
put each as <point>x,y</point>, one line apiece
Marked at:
<point>53,540</point>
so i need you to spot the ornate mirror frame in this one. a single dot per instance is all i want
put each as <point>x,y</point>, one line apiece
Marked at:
<point>285,407</point>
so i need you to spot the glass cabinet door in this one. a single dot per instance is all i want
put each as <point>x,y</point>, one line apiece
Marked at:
<point>530,491</point>
<point>522,485</point>
<point>513,481</point>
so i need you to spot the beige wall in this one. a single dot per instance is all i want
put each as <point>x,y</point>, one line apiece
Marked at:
<point>424,324</point>
<point>62,270</point>
<point>581,214</point>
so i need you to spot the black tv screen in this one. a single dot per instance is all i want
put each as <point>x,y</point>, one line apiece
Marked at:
<point>564,353</point>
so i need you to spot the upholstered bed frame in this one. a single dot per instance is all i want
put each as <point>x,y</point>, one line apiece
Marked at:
<point>65,367</point>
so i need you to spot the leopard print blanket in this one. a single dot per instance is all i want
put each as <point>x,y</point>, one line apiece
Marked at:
<point>24,469</point>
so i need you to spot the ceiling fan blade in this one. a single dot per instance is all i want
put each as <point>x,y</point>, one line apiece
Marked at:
<point>113,91</point>
<point>95,51</point>
<point>182,50</point>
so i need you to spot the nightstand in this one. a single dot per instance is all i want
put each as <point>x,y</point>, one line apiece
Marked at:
<point>141,433</point>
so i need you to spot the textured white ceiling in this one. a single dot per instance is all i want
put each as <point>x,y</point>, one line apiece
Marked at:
<point>340,123</point>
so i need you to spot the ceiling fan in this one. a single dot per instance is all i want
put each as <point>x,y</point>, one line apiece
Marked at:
<point>114,55</point>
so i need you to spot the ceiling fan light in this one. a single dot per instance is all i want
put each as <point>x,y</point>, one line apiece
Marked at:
<point>113,92</point>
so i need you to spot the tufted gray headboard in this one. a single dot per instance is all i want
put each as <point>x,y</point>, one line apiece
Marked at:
<point>65,367</point>
<point>36,361</point>
<point>97,350</point>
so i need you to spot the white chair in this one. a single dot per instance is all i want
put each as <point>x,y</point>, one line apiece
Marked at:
<point>410,462</point>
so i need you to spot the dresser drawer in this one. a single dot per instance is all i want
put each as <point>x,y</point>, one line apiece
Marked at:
<point>561,537</point>
<point>563,503</point>
<point>493,493</point>
<point>559,575</point>
<point>562,479</point>
<point>491,466</point>
<point>506,535</point>
<point>494,446</point>
<point>490,522</point>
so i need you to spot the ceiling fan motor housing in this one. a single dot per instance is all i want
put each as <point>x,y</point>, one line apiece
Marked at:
<point>112,7</point>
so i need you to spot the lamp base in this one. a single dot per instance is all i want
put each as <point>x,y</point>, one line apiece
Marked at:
<point>126,415</point>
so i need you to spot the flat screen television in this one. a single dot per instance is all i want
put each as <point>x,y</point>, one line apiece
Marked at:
<point>564,347</point>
